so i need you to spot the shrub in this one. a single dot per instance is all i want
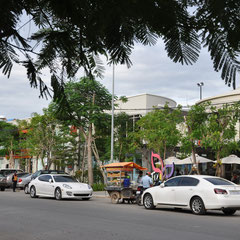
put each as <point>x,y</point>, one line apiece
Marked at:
<point>98,187</point>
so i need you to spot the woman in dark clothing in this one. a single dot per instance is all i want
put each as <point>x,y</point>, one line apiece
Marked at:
<point>14,180</point>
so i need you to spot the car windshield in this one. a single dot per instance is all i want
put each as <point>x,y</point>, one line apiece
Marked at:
<point>64,179</point>
<point>218,181</point>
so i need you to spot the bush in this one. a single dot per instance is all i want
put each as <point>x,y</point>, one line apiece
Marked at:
<point>98,187</point>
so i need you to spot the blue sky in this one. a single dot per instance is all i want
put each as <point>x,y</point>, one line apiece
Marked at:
<point>152,72</point>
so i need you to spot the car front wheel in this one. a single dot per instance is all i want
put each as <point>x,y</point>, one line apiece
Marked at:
<point>26,189</point>
<point>148,201</point>
<point>33,192</point>
<point>58,194</point>
<point>197,206</point>
<point>229,211</point>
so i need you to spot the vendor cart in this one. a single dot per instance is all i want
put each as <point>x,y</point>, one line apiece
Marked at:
<point>115,173</point>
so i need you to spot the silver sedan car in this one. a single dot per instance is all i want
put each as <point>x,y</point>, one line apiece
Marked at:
<point>23,179</point>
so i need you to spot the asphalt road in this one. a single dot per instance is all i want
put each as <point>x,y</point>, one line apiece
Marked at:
<point>23,218</point>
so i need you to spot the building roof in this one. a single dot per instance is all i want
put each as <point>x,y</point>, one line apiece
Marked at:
<point>229,97</point>
<point>153,95</point>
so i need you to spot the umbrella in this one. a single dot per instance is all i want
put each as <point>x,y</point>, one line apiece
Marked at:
<point>199,159</point>
<point>231,159</point>
<point>172,159</point>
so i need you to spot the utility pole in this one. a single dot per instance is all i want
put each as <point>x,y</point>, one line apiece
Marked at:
<point>112,125</point>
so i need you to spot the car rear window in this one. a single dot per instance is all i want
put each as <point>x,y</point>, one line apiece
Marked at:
<point>64,179</point>
<point>218,181</point>
<point>22,174</point>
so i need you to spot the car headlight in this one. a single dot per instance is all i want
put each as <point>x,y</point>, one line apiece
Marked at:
<point>67,186</point>
<point>89,187</point>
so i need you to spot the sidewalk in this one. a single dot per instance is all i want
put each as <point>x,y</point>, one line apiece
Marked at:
<point>101,194</point>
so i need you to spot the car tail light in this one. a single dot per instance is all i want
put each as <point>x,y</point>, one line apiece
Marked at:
<point>220,191</point>
<point>19,180</point>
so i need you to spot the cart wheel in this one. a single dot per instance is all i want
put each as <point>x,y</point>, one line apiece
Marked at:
<point>115,196</point>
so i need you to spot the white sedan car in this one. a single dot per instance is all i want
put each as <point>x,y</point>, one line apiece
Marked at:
<point>196,192</point>
<point>59,186</point>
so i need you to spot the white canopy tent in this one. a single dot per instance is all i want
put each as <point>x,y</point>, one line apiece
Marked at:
<point>172,159</point>
<point>199,159</point>
<point>187,160</point>
<point>231,159</point>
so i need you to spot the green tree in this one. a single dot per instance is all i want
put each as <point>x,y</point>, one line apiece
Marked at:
<point>195,129</point>
<point>158,129</point>
<point>123,127</point>
<point>75,33</point>
<point>43,136</point>
<point>87,101</point>
<point>25,143</point>
<point>221,131</point>
<point>67,148</point>
<point>9,137</point>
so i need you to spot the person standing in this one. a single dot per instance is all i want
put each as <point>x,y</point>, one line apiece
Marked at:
<point>14,180</point>
<point>139,179</point>
<point>147,181</point>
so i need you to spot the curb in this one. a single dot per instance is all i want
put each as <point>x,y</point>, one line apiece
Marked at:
<point>101,195</point>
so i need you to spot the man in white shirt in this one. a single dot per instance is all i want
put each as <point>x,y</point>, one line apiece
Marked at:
<point>147,181</point>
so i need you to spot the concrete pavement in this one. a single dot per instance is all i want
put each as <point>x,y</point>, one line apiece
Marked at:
<point>45,218</point>
<point>101,194</point>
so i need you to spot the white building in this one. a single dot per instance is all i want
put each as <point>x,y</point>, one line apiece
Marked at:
<point>143,103</point>
<point>226,98</point>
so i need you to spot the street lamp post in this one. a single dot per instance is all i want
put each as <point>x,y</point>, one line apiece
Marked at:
<point>112,125</point>
<point>201,84</point>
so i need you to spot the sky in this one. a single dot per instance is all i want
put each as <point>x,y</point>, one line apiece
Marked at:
<point>152,72</point>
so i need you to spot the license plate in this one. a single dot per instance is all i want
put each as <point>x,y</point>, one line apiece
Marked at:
<point>235,192</point>
<point>138,192</point>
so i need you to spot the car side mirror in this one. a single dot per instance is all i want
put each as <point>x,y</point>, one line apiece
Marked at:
<point>162,185</point>
<point>50,181</point>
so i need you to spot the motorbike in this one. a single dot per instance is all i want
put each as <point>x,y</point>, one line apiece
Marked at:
<point>139,193</point>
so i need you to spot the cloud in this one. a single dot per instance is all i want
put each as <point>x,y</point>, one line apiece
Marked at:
<point>152,72</point>
<point>17,98</point>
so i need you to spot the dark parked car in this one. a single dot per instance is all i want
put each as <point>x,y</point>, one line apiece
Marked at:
<point>36,174</point>
<point>6,177</point>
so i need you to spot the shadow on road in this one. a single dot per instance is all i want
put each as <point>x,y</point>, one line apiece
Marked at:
<point>185,211</point>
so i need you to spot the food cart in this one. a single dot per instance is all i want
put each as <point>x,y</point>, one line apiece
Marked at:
<point>115,173</point>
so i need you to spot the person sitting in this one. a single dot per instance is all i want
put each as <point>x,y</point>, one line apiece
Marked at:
<point>178,173</point>
<point>235,178</point>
